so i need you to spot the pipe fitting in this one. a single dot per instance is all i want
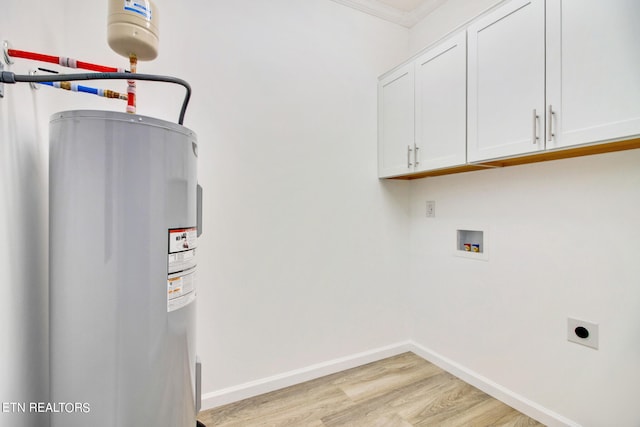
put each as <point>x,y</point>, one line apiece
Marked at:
<point>7,77</point>
<point>5,50</point>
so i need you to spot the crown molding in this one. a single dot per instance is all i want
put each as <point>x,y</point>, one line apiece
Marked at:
<point>392,14</point>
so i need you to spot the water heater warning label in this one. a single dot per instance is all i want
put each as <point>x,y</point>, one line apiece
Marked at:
<point>182,239</point>
<point>181,266</point>
<point>181,289</point>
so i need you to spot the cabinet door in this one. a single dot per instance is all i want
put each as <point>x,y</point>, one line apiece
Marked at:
<point>593,66</point>
<point>506,67</point>
<point>396,123</point>
<point>441,105</point>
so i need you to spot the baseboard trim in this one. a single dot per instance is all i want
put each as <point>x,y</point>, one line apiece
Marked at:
<point>296,376</point>
<point>501,393</point>
<point>254,388</point>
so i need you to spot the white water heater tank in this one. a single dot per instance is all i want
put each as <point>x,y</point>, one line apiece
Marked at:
<point>132,28</point>
<point>124,220</point>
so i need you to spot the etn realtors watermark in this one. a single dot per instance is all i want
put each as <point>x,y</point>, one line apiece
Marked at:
<point>46,407</point>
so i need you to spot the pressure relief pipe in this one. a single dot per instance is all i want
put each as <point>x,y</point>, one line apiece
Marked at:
<point>12,78</point>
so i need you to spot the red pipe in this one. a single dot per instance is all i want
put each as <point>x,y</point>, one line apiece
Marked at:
<point>63,61</point>
<point>32,55</point>
<point>96,67</point>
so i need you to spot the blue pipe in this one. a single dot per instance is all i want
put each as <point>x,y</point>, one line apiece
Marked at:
<point>86,89</point>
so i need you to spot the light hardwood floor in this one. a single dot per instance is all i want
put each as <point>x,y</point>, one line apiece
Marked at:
<point>400,391</point>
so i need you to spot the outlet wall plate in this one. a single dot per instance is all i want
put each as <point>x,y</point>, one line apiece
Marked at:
<point>431,209</point>
<point>583,328</point>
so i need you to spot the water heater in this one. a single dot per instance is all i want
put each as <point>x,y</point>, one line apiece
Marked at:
<point>124,206</point>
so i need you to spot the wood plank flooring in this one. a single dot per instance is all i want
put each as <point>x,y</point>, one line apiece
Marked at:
<point>401,391</point>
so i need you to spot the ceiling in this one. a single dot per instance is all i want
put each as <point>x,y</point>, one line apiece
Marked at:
<point>403,12</point>
<point>404,5</point>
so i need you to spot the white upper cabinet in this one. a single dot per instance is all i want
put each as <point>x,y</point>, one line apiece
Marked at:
<point>593,71</point>
<point>422,112</point>
<point>396,123</point>
<point>441,103</point>
<point>506,72</point>
<point>528,76</point>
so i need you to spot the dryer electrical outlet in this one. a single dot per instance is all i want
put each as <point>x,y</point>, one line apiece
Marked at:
<point>583,332</point>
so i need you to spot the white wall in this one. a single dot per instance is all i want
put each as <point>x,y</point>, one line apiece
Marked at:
<point>451,15</point>
<point>303,247</point>
<point>24,220</point>
<point>562,244</point>
<point>562,240</point>
<point>304,257</point>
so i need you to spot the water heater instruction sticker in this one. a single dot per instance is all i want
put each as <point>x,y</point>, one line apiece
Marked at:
<point>181,266</point>
<point>181,289</point>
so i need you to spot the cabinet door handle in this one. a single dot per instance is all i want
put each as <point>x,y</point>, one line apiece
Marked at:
<point>415,155</point>
<point>535,127</point>
<point>409,150</point>
<point>551,115</point>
